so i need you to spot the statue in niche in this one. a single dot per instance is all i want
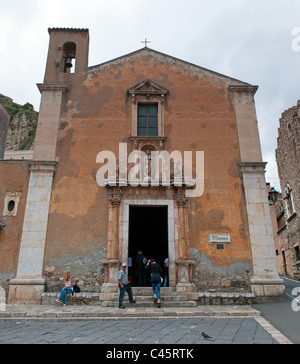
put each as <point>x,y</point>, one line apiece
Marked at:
<point>147,149</point>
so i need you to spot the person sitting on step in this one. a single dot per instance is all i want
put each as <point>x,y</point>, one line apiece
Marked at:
<point>68,287</point>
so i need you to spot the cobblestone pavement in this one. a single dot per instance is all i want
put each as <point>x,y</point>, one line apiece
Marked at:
<point>168,331</point>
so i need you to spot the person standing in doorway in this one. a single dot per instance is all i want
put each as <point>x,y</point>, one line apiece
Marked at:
<point>141,262</point>
<point>166,268</point>
<point>155,279</point>
<point>124,286</point>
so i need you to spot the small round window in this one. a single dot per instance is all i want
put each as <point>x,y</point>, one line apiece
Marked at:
<point>11,206</point>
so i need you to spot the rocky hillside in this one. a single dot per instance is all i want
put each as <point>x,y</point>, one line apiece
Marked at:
<point>22,125</point>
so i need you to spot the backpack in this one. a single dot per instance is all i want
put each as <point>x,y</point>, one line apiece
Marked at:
<point>76,288</point>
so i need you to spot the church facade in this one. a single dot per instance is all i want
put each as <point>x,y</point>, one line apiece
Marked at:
<point>143,152</point>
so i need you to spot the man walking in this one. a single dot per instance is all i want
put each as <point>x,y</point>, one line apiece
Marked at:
<point>124,286</point>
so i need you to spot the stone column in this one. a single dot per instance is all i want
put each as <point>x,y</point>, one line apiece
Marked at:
<point>112,263</point>
<point>266,283</point>
<point>28,285</point>
<point>184,263</point>
<point>115,201</point>
<point>181,203</point>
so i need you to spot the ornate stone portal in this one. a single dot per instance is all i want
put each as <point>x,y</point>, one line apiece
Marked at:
<point>180,263</point>
<point>167,192</point>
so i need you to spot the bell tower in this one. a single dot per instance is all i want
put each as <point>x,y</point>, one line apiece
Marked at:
<point>67,60</point>
<point>68,53</point>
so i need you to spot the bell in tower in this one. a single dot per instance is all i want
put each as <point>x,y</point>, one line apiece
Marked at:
<point>68,63</point>
<point>69,54</point>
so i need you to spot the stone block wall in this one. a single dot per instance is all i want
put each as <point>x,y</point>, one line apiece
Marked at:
<point>87,271</point>
<point>233,278</point>
<point>288,162</point>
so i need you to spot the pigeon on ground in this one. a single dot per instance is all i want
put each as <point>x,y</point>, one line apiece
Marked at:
<point>206,336</point>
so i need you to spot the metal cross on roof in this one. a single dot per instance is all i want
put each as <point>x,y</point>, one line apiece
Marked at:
<point>145,41</point>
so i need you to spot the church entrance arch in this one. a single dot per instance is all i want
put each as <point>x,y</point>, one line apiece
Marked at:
<point>148,225</point>
<point>148,233</point>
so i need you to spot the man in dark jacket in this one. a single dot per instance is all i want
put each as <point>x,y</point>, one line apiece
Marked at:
<point>155,280</point>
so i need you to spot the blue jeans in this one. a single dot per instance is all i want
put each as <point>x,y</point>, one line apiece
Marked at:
<point>166,276</point>
<point>156,289</point>
<point>63,295</point>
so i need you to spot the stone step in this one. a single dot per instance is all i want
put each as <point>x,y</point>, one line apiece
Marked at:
<point>139,298</point>
<point>84,298</point>
<point>163,303</point>
<point>96,312</point>
<point>147,291</point>
<point>144,298</point>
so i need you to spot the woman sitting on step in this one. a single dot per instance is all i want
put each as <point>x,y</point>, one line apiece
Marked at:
<point>68,287</point>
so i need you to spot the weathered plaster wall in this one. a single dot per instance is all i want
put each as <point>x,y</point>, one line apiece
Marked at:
<point>14,177</point>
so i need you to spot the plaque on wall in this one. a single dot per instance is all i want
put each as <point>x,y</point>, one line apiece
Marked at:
<point>219,238</point>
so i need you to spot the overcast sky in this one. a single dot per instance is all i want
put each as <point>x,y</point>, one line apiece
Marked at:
<point>252,40</point>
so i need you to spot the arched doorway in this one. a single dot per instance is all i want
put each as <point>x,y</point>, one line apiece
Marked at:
<point>148,232</point>
<point>157,237</point>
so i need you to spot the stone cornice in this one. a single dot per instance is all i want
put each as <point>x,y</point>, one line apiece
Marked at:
<point>53,86</point>
<point>248,88</point>
<point>27,281</point>
<point>43,166</point>
<point>252,167</point>
<point>74,30</point>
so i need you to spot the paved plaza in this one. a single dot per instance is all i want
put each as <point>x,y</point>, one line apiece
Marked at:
<point>168,331</point>
<point>24,324</point>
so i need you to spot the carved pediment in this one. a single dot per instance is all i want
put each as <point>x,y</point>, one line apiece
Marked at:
<point>148,87</point>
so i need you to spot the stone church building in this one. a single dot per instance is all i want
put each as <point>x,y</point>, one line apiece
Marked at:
<point>86,204</point>
<point>288,163</point>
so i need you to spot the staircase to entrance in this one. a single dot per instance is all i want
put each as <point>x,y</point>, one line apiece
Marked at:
<point>142,295</point>
<point>144,298</point>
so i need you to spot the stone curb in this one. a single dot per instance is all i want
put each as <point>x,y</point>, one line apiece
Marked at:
<point>277,335</point>
<point>95,312</point>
